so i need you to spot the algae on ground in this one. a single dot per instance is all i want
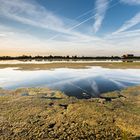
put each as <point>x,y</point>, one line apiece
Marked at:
<point>40,113</point>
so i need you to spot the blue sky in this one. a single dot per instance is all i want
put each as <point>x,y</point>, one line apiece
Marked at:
<point>74,27</point>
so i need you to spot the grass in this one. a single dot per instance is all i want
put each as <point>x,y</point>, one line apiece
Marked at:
<point>39,116</point>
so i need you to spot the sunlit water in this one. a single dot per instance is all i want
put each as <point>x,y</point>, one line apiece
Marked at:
<point>82,83</point>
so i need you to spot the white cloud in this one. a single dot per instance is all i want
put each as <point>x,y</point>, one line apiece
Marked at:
<point>101,7</point>
<point>2,34</point>
<point>127,41</point>
<point>19,43</point>
<point>128,24</point>
<point>131,2</point>
<point>124,35</point>
<point>69,41</point>
<point>31,13</point>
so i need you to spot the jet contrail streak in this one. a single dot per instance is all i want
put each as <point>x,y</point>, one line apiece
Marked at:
<point>90,11</point>
<point>75,26</point>
<point>70,83</point>
<point>90,18</point>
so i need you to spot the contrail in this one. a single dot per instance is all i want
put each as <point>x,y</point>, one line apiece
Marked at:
<point>90,18</point>
<point>90,11</point>
<point>70,83</point>
<point>86,13</point>
<point>75,26</point>
<point>94,87</point>
<point>100,13</point>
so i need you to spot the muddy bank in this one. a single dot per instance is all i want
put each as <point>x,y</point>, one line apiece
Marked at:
<point>38,113</point>
<point>76,65</point>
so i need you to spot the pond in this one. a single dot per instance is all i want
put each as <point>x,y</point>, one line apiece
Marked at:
<point>82,83</point>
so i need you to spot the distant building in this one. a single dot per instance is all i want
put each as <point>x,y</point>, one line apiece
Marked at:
<point>128,56</point>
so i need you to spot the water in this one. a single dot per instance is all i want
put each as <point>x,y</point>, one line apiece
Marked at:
<point>81,83</point>
<point>52,61</point>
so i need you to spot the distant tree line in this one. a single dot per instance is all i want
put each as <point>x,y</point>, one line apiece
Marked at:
<point>51,57</point>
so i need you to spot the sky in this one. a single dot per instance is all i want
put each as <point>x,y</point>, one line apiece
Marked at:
<point>69,27</point>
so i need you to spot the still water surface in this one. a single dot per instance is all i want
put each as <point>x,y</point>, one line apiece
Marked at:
<point>82,83</point>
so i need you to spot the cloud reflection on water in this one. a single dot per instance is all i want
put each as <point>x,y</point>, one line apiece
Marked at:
<point>74,82</point>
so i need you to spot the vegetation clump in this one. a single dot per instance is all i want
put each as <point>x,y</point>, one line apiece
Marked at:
<point>40,113</point>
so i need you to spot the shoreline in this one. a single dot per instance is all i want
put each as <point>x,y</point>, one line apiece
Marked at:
<point>46,66</point>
